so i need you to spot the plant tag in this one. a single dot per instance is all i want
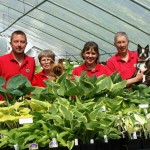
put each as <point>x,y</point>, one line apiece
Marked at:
<point>124,134</point>
<point>134,136</point>
<point>103,108</point>
<point>33,146</point>
<point>16,147</point>
<point>25,120</point>
<point>105,139</point>
<point>53,143</point>
<point>91,141</point>
<point>76,142</point>
<point>143,105</point>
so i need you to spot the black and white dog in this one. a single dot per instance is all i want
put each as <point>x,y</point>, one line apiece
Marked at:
<point>144,63</point>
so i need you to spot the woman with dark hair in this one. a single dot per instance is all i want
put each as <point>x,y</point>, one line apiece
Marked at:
<point>91,66</point>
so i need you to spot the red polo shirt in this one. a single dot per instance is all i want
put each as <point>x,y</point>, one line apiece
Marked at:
<point>98,71</point>
<point>126,69</point>
<point>9,67</point>
<point>38,79</point>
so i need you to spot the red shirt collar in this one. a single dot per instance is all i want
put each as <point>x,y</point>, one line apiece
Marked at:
<point>12,57</point>
<point>119,58</point>
<point>86,69</point>
<point>42,73</point>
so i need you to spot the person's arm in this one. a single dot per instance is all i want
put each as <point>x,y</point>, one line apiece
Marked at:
<point>136,79</point>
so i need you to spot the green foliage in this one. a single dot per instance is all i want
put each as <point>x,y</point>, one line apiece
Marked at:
<point>84,108</point>
<point>17,87</point>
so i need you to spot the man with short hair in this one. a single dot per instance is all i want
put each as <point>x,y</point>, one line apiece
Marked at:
<point>17,62</point>
<point>124,62</point>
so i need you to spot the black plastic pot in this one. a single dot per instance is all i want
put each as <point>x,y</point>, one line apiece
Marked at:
<point>7,148</point>
<point>103,146</point>
<point>116,144</point>
<point>88,146</point>
<point>134,144</point>
<point>146,144</point>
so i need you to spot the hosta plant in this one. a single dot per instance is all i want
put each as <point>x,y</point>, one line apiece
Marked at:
<point>83,107</point>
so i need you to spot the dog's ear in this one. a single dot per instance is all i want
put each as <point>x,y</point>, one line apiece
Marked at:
<point>139,48</point>
<point>147,48</point>
<point>60,61</point>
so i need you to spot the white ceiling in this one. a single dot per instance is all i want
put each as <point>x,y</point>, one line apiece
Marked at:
<point>65,25</point>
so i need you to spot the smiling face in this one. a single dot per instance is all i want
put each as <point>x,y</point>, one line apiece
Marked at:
<point>90,53</point>
<point>46,63</point>
<point>90,56</point>
<point>121,43</point>
<point>46,59</point>
<point>18,43</point>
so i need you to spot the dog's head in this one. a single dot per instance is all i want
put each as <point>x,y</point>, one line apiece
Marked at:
<point>58,68</point>
<point>143,53</point>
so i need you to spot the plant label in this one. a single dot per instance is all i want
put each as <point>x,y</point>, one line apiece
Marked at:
<point>25,120</point>
<point>33,146</point>
<point>105,139</point>
<point>76,142</point>
<point>143,105</point>
<point>53,143</point>
<point>91,141</point>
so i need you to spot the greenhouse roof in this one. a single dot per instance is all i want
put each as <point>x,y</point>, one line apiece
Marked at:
<point>64,26</point>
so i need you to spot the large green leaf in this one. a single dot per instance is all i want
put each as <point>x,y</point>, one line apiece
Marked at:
<point>63,101</point>
<point>9,118</point>
<point>116,77</point>
<point>39,105</point>
<point>103,84</point>
<point>55,118</point>
<point>52,87</point>
<point>70,144</point>
<point>106,122</point>
<point>92,92</point>
<point>82,119</point>
<point>69,84</point>
<point>61,90</point>
<point>2,90</point>
<point>75,91</point>
<point>53,109</point>
<point>113,103</point>
<point>66,113</point>
<point>140,118</point>
<point>77,114</point>
<point>72,88</point>
<point>27,90</point>
<point>119,85</point>
<point>16,82</point>
<point>30,138</point>
<point>80,106</point>
<point>86,86</point>
<point>117,89</point>
<point>93,114</point>
<point>2,81</point>
<point>15,92</point>
<point>93,79</point>
<point>61,138</point>
<point>61,78</point>
<point>92,125</point>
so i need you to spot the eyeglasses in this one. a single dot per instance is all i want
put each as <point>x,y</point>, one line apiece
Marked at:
<point>48,60</point>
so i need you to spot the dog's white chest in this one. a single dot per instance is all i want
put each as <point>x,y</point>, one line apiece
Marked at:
<point>141,66</point>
